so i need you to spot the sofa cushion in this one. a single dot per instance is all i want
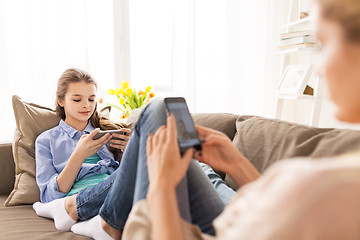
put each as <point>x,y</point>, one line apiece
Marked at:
<point>223,122</point>
<point>264,141</point>
<point>31,120</point>
<point>7,168</point>
<point>21,222</point>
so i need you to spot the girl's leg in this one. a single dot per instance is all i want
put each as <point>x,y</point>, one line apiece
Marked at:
<point>90,200</point>
<point>131,183</point>
<point>205,200</point>
<point>225,192</point>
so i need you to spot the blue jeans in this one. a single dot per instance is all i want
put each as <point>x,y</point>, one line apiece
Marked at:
<point>198,200</point>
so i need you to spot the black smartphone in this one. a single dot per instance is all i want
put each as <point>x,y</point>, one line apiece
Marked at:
<point>187,134</point>
<point>103,132</point>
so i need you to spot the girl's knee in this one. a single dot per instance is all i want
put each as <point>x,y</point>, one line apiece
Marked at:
<point>155,109</point>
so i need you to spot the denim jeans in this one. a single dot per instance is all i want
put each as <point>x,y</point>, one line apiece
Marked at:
<point>198,200</point>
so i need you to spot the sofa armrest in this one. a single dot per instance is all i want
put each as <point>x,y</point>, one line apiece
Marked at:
<point>7,168</point>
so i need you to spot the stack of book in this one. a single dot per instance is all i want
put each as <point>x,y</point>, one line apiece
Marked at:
<point>301,39</point>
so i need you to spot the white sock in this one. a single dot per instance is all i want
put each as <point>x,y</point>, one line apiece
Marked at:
<point>91,228</point>
<point>55,210</point>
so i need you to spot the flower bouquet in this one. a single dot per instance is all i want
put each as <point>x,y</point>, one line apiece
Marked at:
<point>130,99</point>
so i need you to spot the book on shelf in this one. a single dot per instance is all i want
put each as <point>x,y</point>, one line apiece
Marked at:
<point>298,40</point>
<point>301,46</point>
<point>296,34</point>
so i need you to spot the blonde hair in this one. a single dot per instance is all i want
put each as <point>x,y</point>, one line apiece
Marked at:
<point>346,13</point>
<point>73,75</point>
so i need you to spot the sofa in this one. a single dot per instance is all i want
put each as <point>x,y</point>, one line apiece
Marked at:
<point>263,141</point>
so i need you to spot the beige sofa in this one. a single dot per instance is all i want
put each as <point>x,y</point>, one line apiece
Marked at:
<point>263,141</point>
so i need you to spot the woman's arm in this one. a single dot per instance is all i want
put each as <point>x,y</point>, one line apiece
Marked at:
<point>164,213</point>
<point>243,171</point>
<point>166,168</point>
<point>219,152</point>
<point>85,148</point>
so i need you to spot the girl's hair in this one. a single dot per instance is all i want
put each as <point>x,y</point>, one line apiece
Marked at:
<point>74,75</point>
<point>346,13</point>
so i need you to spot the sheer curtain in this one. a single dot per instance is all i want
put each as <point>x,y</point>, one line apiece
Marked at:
<point>215,53</point>
<point>41,38</point>
<point>218,54</point>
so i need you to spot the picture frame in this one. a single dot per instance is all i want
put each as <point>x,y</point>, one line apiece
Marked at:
<point>294,79</point>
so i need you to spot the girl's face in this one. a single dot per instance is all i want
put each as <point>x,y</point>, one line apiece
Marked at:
<point>79,104</point>
<point>340,67</point>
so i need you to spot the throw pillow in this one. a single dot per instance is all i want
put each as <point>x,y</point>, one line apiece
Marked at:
<point>31,120</point>
<point>264,141</point>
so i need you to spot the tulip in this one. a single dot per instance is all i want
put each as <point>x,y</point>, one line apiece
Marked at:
<point>124,85</point>
<point>128,92</point>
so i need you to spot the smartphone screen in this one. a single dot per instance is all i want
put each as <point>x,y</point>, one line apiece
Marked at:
<point>187,134</point>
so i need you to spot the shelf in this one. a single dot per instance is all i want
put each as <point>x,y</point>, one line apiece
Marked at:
<point>299,22</point>
<point>297,50</point>
<point>295,97</point>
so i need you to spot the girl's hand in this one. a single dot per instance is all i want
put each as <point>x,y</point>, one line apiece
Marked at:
<point>120,141</point>
<point>87,146</point>
<point>217,150</point>
<point>165,164</point>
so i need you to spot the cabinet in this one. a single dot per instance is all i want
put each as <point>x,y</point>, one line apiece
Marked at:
<point>298,47</point>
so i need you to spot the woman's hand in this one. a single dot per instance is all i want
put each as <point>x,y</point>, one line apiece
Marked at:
<point>165,164</point>
<point>87,146</point>
<point>217,150</point>
<point>120,141</point>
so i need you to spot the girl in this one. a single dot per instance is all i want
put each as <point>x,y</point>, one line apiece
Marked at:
<point>292,200</point>
<point>70,166</point>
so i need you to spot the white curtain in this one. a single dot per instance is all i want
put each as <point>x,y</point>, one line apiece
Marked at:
<point>217,54</point>
<point>39,39</point>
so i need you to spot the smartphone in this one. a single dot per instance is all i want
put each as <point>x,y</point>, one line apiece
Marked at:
<point>187,134</point>
<point>103,132</point>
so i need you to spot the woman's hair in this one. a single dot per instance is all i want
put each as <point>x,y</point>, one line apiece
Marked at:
<point>346,13</point>
<point>74,75</point>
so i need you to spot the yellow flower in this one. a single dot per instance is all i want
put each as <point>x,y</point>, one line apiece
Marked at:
<point>125,85</point>
<point>110,91</point>
<point>148,89</point>
<point>121,91</point>
<point>128,91</point>
<point>122,101</point>
<point>118,91</point>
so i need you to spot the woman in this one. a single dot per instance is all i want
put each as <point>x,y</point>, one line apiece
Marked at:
<point>278,205</point>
